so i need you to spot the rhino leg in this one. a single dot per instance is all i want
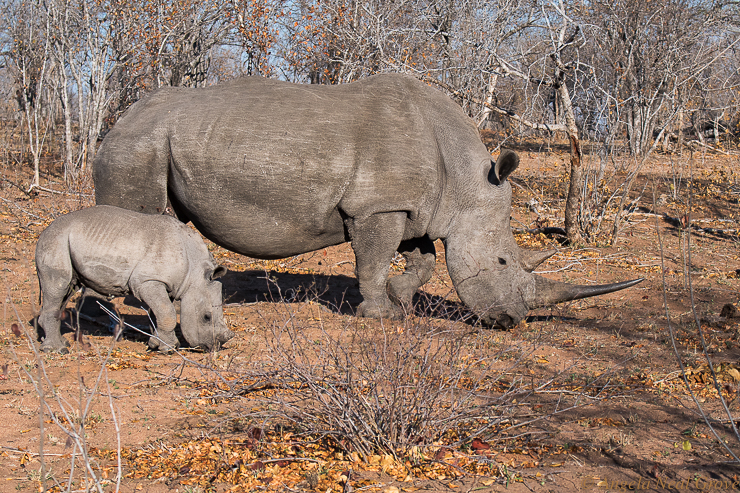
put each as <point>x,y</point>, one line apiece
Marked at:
<point>154,294</point>
<point>56,293</point>
<point>374,241</point>
<point>131,172</point>
<point>55,280</point>
<point>420,261</point>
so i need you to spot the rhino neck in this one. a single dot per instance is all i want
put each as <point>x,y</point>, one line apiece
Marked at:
<point>189,281</point>
<point>449,220</point>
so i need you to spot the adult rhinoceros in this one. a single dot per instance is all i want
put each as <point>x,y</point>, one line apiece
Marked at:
<point>271,169</point>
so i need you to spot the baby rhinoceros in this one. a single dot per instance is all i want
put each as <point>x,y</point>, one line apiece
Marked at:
<point>116,252</point>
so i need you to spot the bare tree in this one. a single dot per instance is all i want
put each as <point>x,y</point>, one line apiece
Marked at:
<point>254,27</point>
<point>650,59</point>
<point>642,77</point>
<point>330,42</point>
<point>540,51</point>
<point>81,37</point>
<point>615,72</point>
<point>28,59</point>
<point>180,46</point>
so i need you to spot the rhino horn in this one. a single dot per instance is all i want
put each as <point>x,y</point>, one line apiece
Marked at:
<point>531,260</point>
<point>551,292</point>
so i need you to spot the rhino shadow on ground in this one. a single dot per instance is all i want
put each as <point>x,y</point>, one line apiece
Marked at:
<point>337,293</point>
<point>101,326</point>
<point>95,322</point>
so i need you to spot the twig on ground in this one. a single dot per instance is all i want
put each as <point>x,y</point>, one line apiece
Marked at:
<point>24,211</point>
<point>35,454</point>
<point>14,184</point>
<point>39,188</point>
<point>696,143</point>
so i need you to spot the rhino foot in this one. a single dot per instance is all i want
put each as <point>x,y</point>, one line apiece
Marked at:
<point>386,310</point>
<point>401,289</point>
<point>165,342</point>
<point>59,346</point>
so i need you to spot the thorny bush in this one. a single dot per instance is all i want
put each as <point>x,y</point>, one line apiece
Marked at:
<point>388,387</point>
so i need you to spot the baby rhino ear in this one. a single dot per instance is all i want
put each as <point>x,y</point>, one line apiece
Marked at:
<point>506,163</point>
<point>219,271</point>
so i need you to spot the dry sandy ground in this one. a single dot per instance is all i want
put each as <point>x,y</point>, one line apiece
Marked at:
<point>605,401</point>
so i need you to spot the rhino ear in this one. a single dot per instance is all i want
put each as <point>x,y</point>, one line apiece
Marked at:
<point>219,271</point>
<point>506,163</point>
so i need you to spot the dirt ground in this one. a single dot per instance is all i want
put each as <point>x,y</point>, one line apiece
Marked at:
<point>608,407</point>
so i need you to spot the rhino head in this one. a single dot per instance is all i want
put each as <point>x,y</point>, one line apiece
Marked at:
<point>491,274</point>
<point>201,310</point>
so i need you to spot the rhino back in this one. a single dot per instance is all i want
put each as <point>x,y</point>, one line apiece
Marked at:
<point>269,169</point>
<point>112,250</point>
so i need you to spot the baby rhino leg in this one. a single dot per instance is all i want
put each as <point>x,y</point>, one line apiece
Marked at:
<point>55,283</point>
<point>154,294</point>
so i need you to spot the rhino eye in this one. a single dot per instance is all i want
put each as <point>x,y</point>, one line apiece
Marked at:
<point>207,317</point>
<point>502,261</point>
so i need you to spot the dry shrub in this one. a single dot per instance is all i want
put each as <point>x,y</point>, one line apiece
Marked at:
<point>67,414</point>
<point>387,387</point>
<point>722,419</point>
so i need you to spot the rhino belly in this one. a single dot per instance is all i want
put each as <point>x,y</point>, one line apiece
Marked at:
<point>274,205</point>
<point>106,278</point>
<point>264,234</point>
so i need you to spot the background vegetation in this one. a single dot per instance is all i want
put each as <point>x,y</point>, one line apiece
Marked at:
<point>623,92</point>
<point>625,76</point>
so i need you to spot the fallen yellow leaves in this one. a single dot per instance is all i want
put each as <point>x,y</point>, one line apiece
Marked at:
<point>270,460</point>
<point>605,422</point>
<point>121,360</point>
<point>120,365</point>
<point>726,373</point>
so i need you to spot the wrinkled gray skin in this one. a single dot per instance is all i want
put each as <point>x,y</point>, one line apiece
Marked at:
<point>116,252</point>
<point>271,169</point>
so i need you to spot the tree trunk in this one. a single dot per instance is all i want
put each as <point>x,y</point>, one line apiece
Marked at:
<point>69,171</point>
<point>635,129</point>
<point>679,140</point>
<point>489,100</point>
<point>573,201</point>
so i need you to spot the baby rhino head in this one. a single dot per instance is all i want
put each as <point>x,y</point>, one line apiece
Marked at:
<point>201,310</point>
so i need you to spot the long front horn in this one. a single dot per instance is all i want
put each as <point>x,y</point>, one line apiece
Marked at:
<point>551,292</point>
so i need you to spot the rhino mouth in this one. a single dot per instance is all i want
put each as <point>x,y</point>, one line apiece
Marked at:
<point>214,344</point>
<point>546,293</point>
